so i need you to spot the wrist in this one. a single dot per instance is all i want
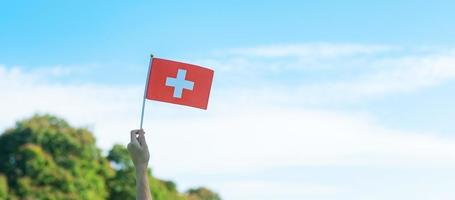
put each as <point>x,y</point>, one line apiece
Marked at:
<point>141,168</point>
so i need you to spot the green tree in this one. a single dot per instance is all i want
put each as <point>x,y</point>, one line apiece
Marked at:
<point>45,158</point>
<point>3,186</point>
<point>123,183</point>
<point>202,193</point>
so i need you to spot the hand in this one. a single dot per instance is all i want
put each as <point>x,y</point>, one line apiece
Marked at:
<point>138,149</point>
<point>139,152</point>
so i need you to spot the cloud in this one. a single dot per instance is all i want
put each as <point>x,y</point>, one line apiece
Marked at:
<point>259,123</point>
<point>25,93</point>
<point>263,138</point>
<point>293,56</point>
<point>388,76</point>
<point>334,73</point>
<point>234,135</point>
<point>318,50</point>
<point>253,189</point>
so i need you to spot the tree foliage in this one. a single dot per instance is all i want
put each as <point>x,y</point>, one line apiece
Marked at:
<point>125,173</point>
<point>202,193</point>
<point>45,158</point>
<point>3,187</point>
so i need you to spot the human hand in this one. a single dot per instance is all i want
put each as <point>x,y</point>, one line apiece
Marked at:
<point>138,149</point>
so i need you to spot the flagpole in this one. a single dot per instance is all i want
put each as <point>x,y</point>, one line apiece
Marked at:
<point>145,90</point>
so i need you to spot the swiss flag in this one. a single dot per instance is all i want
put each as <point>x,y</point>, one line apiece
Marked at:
<point>179,83</point>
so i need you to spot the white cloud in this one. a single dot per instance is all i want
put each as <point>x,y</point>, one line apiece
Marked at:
<point>334,73</point>
<point>253,189</point>
<point>293,56</point>
<point>390,76</point>
<point>250,127</point>
<point>88,105</point>
<point>262,138</point>
<point>318,50</point>
<point>234,136</point>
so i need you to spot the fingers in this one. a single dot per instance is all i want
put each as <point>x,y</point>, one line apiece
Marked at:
<point>141,138</point>
<point>137,136</point>
<point>134,134</point>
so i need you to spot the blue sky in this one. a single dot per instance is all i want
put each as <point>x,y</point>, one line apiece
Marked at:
<point>311,100</point>
<point>44,33</point>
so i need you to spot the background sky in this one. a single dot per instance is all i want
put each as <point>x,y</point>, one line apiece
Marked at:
<point>310,100</point>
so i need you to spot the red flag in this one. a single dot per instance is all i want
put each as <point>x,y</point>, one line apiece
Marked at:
<point>179,83</point>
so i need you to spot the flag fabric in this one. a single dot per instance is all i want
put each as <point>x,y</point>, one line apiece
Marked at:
<point>179,83</point>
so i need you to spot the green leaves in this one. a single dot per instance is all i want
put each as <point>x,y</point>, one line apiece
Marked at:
<point>44,153</point>
<point>202,193</point>
<point>45,158</point>
<point>3,186</point>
